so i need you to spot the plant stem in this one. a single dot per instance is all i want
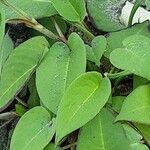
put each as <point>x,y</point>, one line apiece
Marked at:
<point>29,21</point>
<point>21,102</point>
<point>134,9</point>
<point>118,75</point>
<point>7,115</point>
<point>58,29</point>
<point>81,27</point>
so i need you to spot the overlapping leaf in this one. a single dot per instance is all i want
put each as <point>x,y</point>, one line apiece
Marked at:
<point>34,130</point>
<point>134,56</point>
<point>61,66</point>
<point>33,8</point>
<point>72,10</point>
<point>81,102</point>
<point>6,49</point>
<point>95,52</point>
<point>102,134</point>
<point>136,107</point>
<point>19,66</point>
<point>115,39</point>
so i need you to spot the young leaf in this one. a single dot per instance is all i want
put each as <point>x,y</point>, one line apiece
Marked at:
<point>136,106</point>
<point>72,10</point>
<point>102,134</point>
<point>136,49</point>
<point>115,39</point>
<point>95,52</point>
<point>19,66</point>
<point>34,130</point>
<point>6,48</point>
<point>81,102</point>
<point>31,7</point>
<point>60,67</point>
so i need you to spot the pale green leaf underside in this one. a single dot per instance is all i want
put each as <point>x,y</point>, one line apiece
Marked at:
<point>136,48</point>
<point>34,130</point>
<point>19,66</point>
<point>81,102</point>
<point>61,66</point>
<point>102,134</point>
<point>33,8</point>
<point>136,107</point>
<point>72,10</point>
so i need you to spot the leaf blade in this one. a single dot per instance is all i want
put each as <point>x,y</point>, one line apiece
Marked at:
<point>38,135</point>
<point>79,98</point>
<point>16,71</point>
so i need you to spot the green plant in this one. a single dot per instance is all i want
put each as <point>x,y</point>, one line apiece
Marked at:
<point>74,80</point>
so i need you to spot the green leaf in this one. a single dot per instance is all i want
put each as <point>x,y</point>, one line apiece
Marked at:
<point>105,14</point>
<point>34,99</point>
<point>31,7</point>
<point>52,146</point>
<point>137,81</point>
<point>2,25</point>
<point>144,130</point>
<point>102,134</point>
<point>95,52</point>
<point>81,102</point>
<point>34,130</point>
<point>19,66</point>
<point>20,110</point>
<point>47,22</point>
<point>6,48</point>
<point>147,2</point>
<point>117,102</point>
<point>72,10</point>
<point>135,138</point>
<point>115,39</point>
<point>136,49</point>
<point>61,66</point>
<point>136,106</point>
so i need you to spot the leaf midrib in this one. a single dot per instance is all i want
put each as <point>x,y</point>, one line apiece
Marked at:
<point>8,89</point>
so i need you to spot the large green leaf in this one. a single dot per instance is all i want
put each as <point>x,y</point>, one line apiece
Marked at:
<point>98,48</point>
<point>81,102</point>
<point>136,49</point>
<point>72,10</point>
<point>19,66</point>
<point>115,39</point>
<point>136,106</point>
<point>61,66</point>
<point>105,14</point>
<point>2,25</point>
<point>6,48</point>
<point>102,134</point>
<point>33,8</point>
<point>34,130</point>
